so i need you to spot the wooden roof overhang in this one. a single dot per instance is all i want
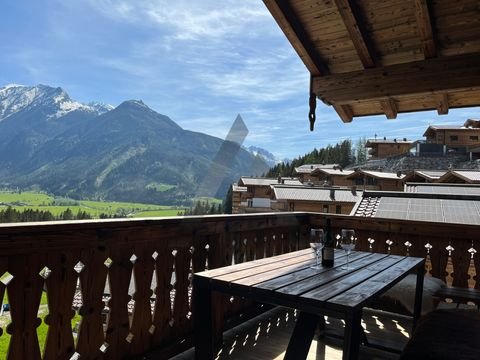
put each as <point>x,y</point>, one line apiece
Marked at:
<point>370,57</point>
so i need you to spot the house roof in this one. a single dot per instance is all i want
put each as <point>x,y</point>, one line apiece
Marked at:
<point>368,57</point>
<point>431,175</point>
<point>258,181</point>
<point>419,207</point>
<point>336,172</point>
<point>372,142</point>
<point>439,188</point>
<point>469,176</point>
<point>433,128</point>
<point>309,168</point>
<point>323,194</point>
<point>376,174</point>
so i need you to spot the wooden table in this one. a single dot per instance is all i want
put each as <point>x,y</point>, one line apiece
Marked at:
<point>287,280</point>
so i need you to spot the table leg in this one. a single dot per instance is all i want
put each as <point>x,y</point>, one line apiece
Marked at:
<point>203,323</point>
<point>302,336</point>
<point>353,335</point>
<point>417,307</point>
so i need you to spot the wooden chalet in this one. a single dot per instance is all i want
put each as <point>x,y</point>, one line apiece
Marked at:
<point>455,137</point>
<point>382,148</point>
<point>309,172</point>
<point>377,180</point>
<point>252,194</point>
<point>364,57</point>
<point>315,198</point>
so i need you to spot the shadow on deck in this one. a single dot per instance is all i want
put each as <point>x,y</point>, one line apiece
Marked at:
<point>266,337</point>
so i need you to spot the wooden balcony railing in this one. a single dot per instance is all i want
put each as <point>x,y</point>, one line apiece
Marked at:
<point>130,280</point>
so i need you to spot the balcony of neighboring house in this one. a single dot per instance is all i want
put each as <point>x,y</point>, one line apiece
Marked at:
<point>121,289</point>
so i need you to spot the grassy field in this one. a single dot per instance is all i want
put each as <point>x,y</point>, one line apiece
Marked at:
<point>44,202</point>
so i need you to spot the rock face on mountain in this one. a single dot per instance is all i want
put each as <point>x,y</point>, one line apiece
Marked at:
<point>127,153</point>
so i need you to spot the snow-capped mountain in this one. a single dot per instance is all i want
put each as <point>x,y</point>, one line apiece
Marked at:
<point>269,158</point>
<point>54,102</point>
<point>51,142</point>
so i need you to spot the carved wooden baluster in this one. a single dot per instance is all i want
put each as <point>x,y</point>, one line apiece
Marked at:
<point>250,246</point>
<point>259,245</point>
<point>118,324</point>
<point>61,285</point>
<point>4,278</point>
<point>142,315</point>
<point>162,313</point>
<point>282,240</point>
<point>461,262</point>
<point>24,293</point>
<point>239,246</point>
<point>438,256</point>
<point>92,284</point>
<point>449,268</point>
<point>428,260</point>
<point>181,323</point>
<point>269,243</point>
<point>219,255</point>
<point>472,271</point>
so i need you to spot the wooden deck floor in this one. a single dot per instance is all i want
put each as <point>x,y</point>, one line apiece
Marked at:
<point>266,337</point>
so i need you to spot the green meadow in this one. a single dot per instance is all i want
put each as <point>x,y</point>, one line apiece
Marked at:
<point>56,205</point>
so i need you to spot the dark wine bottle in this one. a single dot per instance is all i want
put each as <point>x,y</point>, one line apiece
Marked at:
<point>327,251</point>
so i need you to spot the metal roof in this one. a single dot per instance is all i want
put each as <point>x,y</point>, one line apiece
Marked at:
<point>336,172</point>
<point>253,181</point>
<point>308,168</point>
<point>420,209</point>
<point>306,193</point>
<point>441,188</point>
<point>378,174</point>
<point>469,176</point>
<point>385,141</point>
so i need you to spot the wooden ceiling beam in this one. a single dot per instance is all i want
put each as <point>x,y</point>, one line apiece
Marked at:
<point>345,112</point>
<point>351,19</point>
<point>389,107</point>
<point>425,29</point>
<point>430,76</point>
<point>296,34</point>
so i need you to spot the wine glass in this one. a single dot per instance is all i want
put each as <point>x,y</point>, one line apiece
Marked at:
<point>317,240</point>
<point>347,242</point>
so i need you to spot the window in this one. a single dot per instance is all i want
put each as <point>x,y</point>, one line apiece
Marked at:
<point>474,138</point>
<point>325,208</point>
<point>338,209</point>
<point>453,138</point>
<point>291,206</point>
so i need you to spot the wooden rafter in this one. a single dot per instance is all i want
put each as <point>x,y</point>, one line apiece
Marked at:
<point>425,29</point>
<point>293,29</point>
<point>443,105</point>
<point>350,18</point>
<point>430,76</point>
<point>389,107</point>
<point>345,112</point>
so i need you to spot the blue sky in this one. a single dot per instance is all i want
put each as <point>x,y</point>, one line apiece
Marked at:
<point>199,62</point>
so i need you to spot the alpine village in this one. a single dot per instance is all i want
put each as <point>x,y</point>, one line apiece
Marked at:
<point>124,235</point>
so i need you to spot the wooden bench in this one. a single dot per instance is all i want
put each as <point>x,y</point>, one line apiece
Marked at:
<point>445,334</point>
<point>459,295</point>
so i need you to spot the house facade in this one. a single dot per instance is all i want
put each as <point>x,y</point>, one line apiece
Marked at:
<point>382,148</point>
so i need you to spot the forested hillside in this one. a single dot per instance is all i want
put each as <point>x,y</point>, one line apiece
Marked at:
<point>342,153</point>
